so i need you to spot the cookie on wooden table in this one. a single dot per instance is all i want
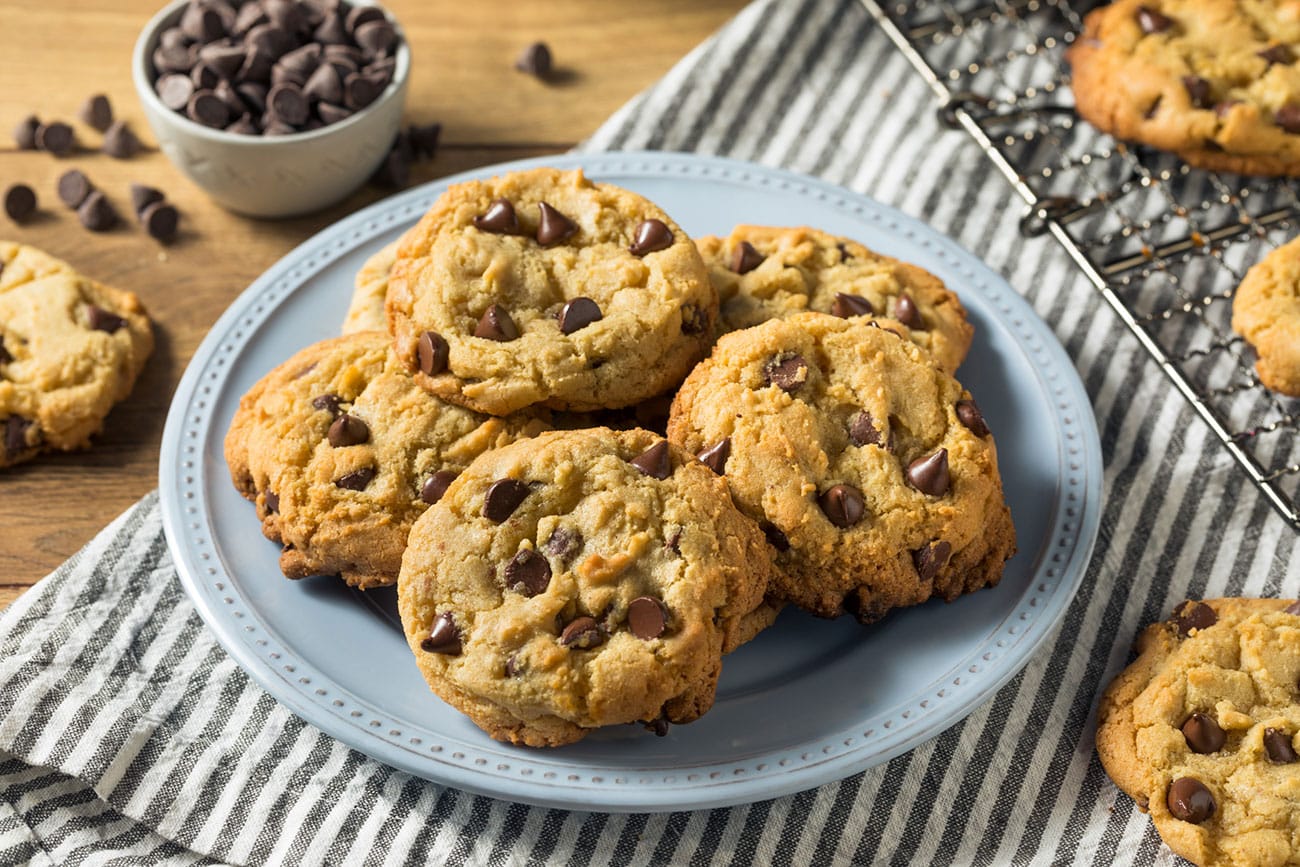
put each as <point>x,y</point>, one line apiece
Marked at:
<point>366,309</point>
<point>70,348</point>
<point>1201,731</point>
<point>341,452</point>
<point>541,287</point>
<point>581,579</point>
<point>763,272</point>
<point>872,471</point>
<point>1215,81</point>
<point>1266,311</point>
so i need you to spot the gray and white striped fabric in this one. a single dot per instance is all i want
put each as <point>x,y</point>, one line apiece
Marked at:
<point>128,736</point>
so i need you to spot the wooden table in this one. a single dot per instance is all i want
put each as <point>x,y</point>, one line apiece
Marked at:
<point>58,52</point>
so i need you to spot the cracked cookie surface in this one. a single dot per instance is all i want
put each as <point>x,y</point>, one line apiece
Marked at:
<point>1266,311</point>
<point>581,579</point>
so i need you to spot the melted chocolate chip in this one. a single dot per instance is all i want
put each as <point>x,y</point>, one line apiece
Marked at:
<point>445,636</point>
<point>356,480</point>
<point>929,474</point>
<point>431,351</point>
<point>5,357</point>
<point>348,430</point>
<point>327,402</point>
<point>582,633</point>
<point>655,462</point>
<point>846,306</point>
<point>1288,117</point>
<point>930,559</point>
<point>715,456</point>
<point>1190,801</point>
<point>513,667</point>
<point>563,543</point>
<point>500,219</point>
<point>843,505</point>
<point>1277,744</point>
<point>271,500</point>
<point>694,319</point>
<point>1191,615</point>
<point>1203,734</point>
<point>502,498</point>
<point>787,371</point>
<point>744,258</point>
<point>862,430</point>
<point>1198,90</point>
<point>552,226</point>
<point>906,312</point>
<point>436,485</point>
<point>496,324</point>
<point>646,617</point>
<point>650,236</point>
<point>528,573</point>
<point>1152,20</point>
<point>658,726</point>
<point>845,255</point>
<point>775,537</point>
<point>16,434</point>
<point>1277,54</point>
<point>578,314</point>
<point>101,320</point>
<point>969,414</point>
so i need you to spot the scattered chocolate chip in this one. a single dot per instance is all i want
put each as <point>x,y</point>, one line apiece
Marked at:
<point>563,543</point>
<point>846,306</point>
<point>583,633</point>
<point>1191,615</point>
<point>715,456</point>
<point>535,60</point>
<point>96,213</point>
<point>100,319</point>
<point>1277,54</point>
<point>787,371</point>
<point>394,172</point>
<point>1277,744</point>
<point>650,236</point>
<point>96,112</point>
<point>646,617</point>
<point>502,498</point>
<point>271,500</point>
<point>120,142</point>
<point>578,314</point>
<point>694,319</point>
<point>1288,117</point>
<point>1152,20</point>
<point>744,258</point>
<point>655,462</point>
<point>528,573</point>
<point>843,505</point>
<point>444,637</point>
<point>161,221</point>
<point>1190,801</point>
<point>1293,608</point>
<point>25,133</point>
<point>968,413</point>
<point>862,430</point>
<point>20,202</point>
<point>552,226</point>
<point>496,324</point>
<point>1203,734</point>
<point>775,537</point>
<point>424,139</point>
<point>357,480</point>
<point>436,485</point>
<point>143,196</point>
<point>500,219</point>
<point>929,474</point>
<point>431,351</point>
<point>74,187</point>
<point>16,434</point>
<point>56,138</point>
<point>906,312</point>
<point>1198,90</point>
<point>348,430</point>
<point>659,727</point>
<point>930,559</point>
<point>328,402</point>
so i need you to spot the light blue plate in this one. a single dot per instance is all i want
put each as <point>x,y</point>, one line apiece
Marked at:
<point>807,702</point>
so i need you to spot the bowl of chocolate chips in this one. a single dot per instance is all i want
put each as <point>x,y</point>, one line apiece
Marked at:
<point>273,107</point>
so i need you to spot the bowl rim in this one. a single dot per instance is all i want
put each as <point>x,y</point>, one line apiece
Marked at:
<point>141,76</point>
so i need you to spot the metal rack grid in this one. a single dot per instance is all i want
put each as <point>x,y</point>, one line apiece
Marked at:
<point>1165,244</point>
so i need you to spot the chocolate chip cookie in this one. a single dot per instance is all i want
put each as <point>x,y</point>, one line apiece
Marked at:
<point>70,348</point>
<point>366,310</point>
<point>581,579</point>
<point>1215,81</point>
<point>872,471</point>
<point>1266,311</point>
<point>1201,731</point>
<point>341,452</point>
<point>541,287</point>
<point>763,273</point>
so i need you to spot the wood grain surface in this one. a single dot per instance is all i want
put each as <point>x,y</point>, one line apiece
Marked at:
<point>59,52</point>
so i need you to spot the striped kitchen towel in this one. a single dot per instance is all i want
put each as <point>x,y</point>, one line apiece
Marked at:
<point>128,736</point>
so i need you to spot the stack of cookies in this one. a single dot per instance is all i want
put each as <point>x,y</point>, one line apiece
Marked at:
<point>477,437</point>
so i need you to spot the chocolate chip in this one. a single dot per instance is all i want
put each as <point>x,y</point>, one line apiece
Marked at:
<point>249,16</point>
<point>650,236</point>
<point>444,637</point>
<point>276,127</point>
<point>968,413</point>
<point>845,255</point>
<point>56,138</point>
<point>787,371</point>
<point>204,77</point>
<point>862,430</point>
<point>330,113</point>
<point>330,31</point>
<point>360,90</point>
<point>496,324</point>
<point>582,633</point>
<point>376,37</point>
<point>174,90</point>
<point>646,617</point>
<point>96,112</point>
<point>431,351</point>
<point>715,457</point>
<point>395,170</point>
<point>1224,108</point>
<point>1203,734</point>
<point>929,474</point>
<point>552,226</point>
<point>674,542</point>
<point>535,60</point>
<point>1277,54</point>
<point>500,219</point>
<point>578,314</point>
<point>694,319</point>
<point>359,15</point>
<point>357,480</point>
<point>1191,615</point>
<point>16,434</point>
<point>436,485</point>
<point>775,537</point>
<point>272,41</point>
<point>285,14</point>
<point>655,462</point>
<point>286,103</point>
<point>1198,90</point>
<point>302,61</point>
<point>20,202</point>
<point>424,139</point>
<point>348,430</point>
<point>1288,117</point>
<point>502,498</point>
<point>906,312</point>
<point>161,221</point>
<point>528,573</point>
<point>120,142</point>
<point>172,59</point>
<point>658,726</point>
<point>744,258</point>
<point>5,357</point>
<point>1152,20</point>
<point>201,24</point>
<point>1293,608</point>
<point>74,187</point>
<point>225,59</point>
<point>930,559</point>
<point>846,306</point>
<point>271,500</point>
<point>25,133</point>
<point>328,402</point>
<point>513,667</point>
<point>563,543</point>
<point>257,67</point>
<point>324,85</point>
<point>1277,744</point>
<point>843,505</point>
<point>207,108</point>
<point>1190,801</point>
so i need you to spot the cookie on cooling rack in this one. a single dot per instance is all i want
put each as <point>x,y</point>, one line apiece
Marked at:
<point>763,272</point>
<point>1201,730</point>
<point>872,471</point>
<point>366,309</point>
<point>70,348</point>
<point>341,452</point>
<point>541,287</point>
<point>581,579</point>
<point>1266,311</point>
<point>1215,81</point>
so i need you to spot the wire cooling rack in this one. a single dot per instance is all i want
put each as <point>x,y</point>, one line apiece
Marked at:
<point>1165,244</point>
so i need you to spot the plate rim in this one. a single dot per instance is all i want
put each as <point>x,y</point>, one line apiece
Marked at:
<point>758,781</point>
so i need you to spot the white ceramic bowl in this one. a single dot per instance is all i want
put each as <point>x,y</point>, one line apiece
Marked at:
<point>272,176</point>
